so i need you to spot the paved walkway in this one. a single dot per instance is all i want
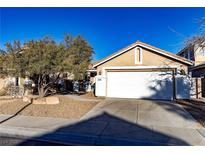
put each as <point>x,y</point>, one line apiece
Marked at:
<point>113,122</point>
<point>80,98</point>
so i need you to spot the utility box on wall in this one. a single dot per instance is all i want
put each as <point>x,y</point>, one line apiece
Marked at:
<point>100,85</point>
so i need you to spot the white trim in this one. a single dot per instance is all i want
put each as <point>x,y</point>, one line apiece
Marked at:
<point>19,81</point>
<point>135,67</point>
<point>138,44</point>
<point>136,58</point>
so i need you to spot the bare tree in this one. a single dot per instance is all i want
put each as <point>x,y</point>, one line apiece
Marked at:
<point>198,40</point>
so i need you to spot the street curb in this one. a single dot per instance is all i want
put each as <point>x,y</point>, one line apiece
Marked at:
<point>35,137</point>
<point>70,138</point>
<point>32,139</point>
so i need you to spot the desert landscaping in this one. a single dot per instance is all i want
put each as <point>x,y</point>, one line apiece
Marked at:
<point>66,108</point>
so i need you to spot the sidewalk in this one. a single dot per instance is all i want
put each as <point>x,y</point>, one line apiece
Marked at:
<point>66,132</point>
<point>60,131</point>
<point>83,132</point>
<point>36,128</point>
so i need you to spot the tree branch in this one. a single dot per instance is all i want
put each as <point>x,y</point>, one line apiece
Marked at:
<point>52,81</point>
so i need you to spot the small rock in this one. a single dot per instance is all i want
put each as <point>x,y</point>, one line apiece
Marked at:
<point>27,99</point>
<point>39,101</point>
<point>47,100</point>
<point>52,100</point>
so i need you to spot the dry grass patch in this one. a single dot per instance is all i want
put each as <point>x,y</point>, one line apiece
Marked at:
<point>67,108</point>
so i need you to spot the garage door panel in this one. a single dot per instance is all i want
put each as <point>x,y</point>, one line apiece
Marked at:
<point>151,85</point>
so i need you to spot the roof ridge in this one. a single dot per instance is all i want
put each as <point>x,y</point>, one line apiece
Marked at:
<point>138,42</point>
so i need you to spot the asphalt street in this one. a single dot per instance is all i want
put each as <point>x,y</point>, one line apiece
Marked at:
<point>10,141</point>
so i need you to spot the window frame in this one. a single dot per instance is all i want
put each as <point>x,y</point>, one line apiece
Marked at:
<point>136,58</point>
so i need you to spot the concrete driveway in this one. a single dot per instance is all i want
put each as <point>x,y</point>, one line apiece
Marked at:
<point>143,122</point>
<point>112,122</point>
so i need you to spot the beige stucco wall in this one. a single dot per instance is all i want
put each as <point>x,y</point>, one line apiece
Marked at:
<point>199,58</point>
<point>149,58</point>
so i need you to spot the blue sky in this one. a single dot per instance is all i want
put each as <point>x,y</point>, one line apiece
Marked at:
<point>106,29</point>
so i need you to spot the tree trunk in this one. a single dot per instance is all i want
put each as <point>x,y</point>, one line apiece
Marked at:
<point>40,87</point>
<point>43,88</point>
<point>41,92</point>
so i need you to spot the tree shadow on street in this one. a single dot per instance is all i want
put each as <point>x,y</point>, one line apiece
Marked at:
<point>106,129</point>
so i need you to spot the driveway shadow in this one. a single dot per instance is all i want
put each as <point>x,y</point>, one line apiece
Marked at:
<point>106,129</point>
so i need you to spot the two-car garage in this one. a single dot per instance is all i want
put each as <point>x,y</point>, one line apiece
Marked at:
<point>142,71</point>
<point>139,84</point>
<point>143,84</point>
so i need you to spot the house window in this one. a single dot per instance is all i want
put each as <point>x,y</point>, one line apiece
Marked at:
<point>191,55</point>
<point>186,55</point>
<point>138,55</point>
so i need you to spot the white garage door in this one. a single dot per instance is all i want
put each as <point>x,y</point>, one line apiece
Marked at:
<point>150,85</point>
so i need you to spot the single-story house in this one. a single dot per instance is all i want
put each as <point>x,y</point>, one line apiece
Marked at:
<point>143,71</point>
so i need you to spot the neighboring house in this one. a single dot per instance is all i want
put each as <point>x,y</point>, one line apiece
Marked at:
<point>10,81</point>
<point>143,71</point>
<point>90,78</point>
<point>196,53</point>
<point>91,73</point>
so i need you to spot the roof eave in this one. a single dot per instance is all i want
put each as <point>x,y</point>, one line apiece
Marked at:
<point>139,44</point>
